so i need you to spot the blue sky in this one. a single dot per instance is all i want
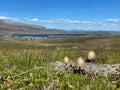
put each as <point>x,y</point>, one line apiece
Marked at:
<point>64,14</point>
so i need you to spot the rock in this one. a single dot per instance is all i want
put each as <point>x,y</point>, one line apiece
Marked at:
<point>60,66</point>
<point>89,67</point>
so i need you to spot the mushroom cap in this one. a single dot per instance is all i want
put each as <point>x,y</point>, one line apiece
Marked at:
<point>66,60</point>
<point>91,55</point>
<point>80,62</point>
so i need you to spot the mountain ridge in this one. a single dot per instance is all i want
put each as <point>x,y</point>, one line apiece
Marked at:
<point>10,28</point>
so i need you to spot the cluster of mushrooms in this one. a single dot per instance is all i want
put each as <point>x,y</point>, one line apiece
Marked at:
<point>80,62</point>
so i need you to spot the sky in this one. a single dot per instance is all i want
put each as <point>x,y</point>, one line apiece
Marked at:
<point>64,14</point>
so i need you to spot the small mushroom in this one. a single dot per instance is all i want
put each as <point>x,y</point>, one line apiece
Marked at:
<point>80,62</point>
<point>91,56</point>
<point>66,60</point>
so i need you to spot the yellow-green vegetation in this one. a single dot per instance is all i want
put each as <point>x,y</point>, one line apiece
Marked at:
<point>24,63</point>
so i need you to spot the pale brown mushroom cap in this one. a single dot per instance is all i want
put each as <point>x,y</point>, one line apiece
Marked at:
<point>80,62</point>
<point>91,55</point>
<point>66,60</point>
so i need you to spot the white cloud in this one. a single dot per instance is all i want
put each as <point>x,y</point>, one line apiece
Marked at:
<point>33,20</point>
<point>66,21</point>
<point>89,23</point>
<point>113,20</point>
<point>10,19</point>
<point>46,21</point>
<point>4,17</point>
<point>60,21</point>
<point>103,23</point>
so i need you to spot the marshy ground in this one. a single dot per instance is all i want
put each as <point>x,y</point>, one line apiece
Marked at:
<point>25,63</point>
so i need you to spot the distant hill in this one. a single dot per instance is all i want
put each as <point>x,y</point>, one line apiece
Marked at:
<point>10,28</point>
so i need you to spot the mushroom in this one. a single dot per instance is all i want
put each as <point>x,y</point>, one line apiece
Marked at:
<point>91,56</point>
<point>66,60</point>
<point>80,62</point>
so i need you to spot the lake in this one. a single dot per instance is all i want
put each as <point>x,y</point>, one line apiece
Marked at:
<point>57,35</point>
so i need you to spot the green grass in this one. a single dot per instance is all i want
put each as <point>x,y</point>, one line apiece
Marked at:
<point>24,64</point>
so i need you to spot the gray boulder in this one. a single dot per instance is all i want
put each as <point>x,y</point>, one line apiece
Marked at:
<point>88,68</point>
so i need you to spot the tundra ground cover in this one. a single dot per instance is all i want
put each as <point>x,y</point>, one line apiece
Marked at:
<point>24,63</point>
